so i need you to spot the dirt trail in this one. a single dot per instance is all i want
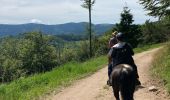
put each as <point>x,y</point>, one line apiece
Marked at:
<point>94,87</point>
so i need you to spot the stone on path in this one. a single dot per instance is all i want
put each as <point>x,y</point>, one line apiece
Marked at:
<point>153,89</point>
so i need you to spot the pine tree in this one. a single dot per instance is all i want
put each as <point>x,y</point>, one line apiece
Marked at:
<point>126,26</point>
<point>125,21</point>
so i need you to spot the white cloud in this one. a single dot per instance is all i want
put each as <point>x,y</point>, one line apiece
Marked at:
<point>36,21</point>
<point>62,11</point>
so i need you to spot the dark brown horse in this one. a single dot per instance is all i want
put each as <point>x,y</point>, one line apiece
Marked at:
<point>123,81</point>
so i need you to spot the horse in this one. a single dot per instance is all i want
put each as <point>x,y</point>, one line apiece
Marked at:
<point>123,81</point>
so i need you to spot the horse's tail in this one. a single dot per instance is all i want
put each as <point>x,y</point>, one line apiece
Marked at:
<point>127,82</point>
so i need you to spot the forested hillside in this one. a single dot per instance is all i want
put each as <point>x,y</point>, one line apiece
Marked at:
<point>36,52</point>
<point>59,29</point>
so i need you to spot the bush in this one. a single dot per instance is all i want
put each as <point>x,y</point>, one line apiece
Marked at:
<point>35,52</point>
<point>20,57</point>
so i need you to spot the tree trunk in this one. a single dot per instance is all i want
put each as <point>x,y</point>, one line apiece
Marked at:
<point>90,28</point>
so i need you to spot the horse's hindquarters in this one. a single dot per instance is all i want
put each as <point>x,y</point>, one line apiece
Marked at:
<point>123,80</point>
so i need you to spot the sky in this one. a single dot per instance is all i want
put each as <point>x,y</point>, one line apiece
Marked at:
<point>64,11</point>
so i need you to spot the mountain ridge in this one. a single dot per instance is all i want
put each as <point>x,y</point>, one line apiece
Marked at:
<point>57,29</point>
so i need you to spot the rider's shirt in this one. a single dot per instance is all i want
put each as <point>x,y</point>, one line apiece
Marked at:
<point>112,41</point>
<point>121,53</point>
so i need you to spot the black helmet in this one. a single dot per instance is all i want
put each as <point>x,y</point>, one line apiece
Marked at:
<point>120,36</point>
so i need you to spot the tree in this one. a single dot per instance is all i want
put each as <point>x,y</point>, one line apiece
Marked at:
<point>88,5</point>
<point>10,62</point>
<point>159,31</point>
<point>154,32</point>
<point>125,26</point>
<point>39,55</point>
<point>157,8</point>
<point>125,21</point>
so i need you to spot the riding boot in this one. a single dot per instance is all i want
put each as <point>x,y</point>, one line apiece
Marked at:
<point>109,83</point>
<point>137,82</point>
<point>109,73</point>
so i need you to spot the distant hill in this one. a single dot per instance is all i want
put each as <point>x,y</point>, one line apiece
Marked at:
<point>67,28</point>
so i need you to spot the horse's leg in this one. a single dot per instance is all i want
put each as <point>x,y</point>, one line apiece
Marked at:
<point>132,92</point>
<point>116,93</point>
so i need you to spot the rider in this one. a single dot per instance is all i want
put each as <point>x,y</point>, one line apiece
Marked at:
<point>113,39</point>
<point>121,53</point>
<point>112,42</point>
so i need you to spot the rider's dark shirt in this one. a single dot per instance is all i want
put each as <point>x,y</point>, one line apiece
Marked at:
<point>122,54</point>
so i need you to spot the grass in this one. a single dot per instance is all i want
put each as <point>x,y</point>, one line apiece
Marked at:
<point>161,66</point>
<point>33,87</point>
<point>147,47</point>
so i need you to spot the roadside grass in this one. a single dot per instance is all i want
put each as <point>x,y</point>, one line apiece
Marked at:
<point>147,47</point>
<point>161,66</point>
<point>34,87</point>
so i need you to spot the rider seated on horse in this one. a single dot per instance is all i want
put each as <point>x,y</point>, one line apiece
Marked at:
<point>112,42</point>
<point>121,53</point>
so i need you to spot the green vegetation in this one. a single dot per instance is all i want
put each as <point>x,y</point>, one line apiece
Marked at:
<point>26,61</point>
<point>72,37</point>
<point>156,7</point>
<point>35,52</point>
<point>147,47</point>
<point>37,85</point>
<point>31,54</point>
<point>155,32</point>
<point>161,65</point>
<point>158,31</point>
<point>126,26</point>
<point>34,86</point>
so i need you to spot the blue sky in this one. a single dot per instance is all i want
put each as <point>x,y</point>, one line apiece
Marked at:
<point>63,11</point>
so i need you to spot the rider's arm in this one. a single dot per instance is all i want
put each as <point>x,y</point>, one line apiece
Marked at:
<point>130,49</point>
<point>109,60</point>
<point>110,56</point>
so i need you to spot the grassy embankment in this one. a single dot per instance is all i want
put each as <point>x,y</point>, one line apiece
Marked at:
<point>35,86</point>
<point>161,66</point>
